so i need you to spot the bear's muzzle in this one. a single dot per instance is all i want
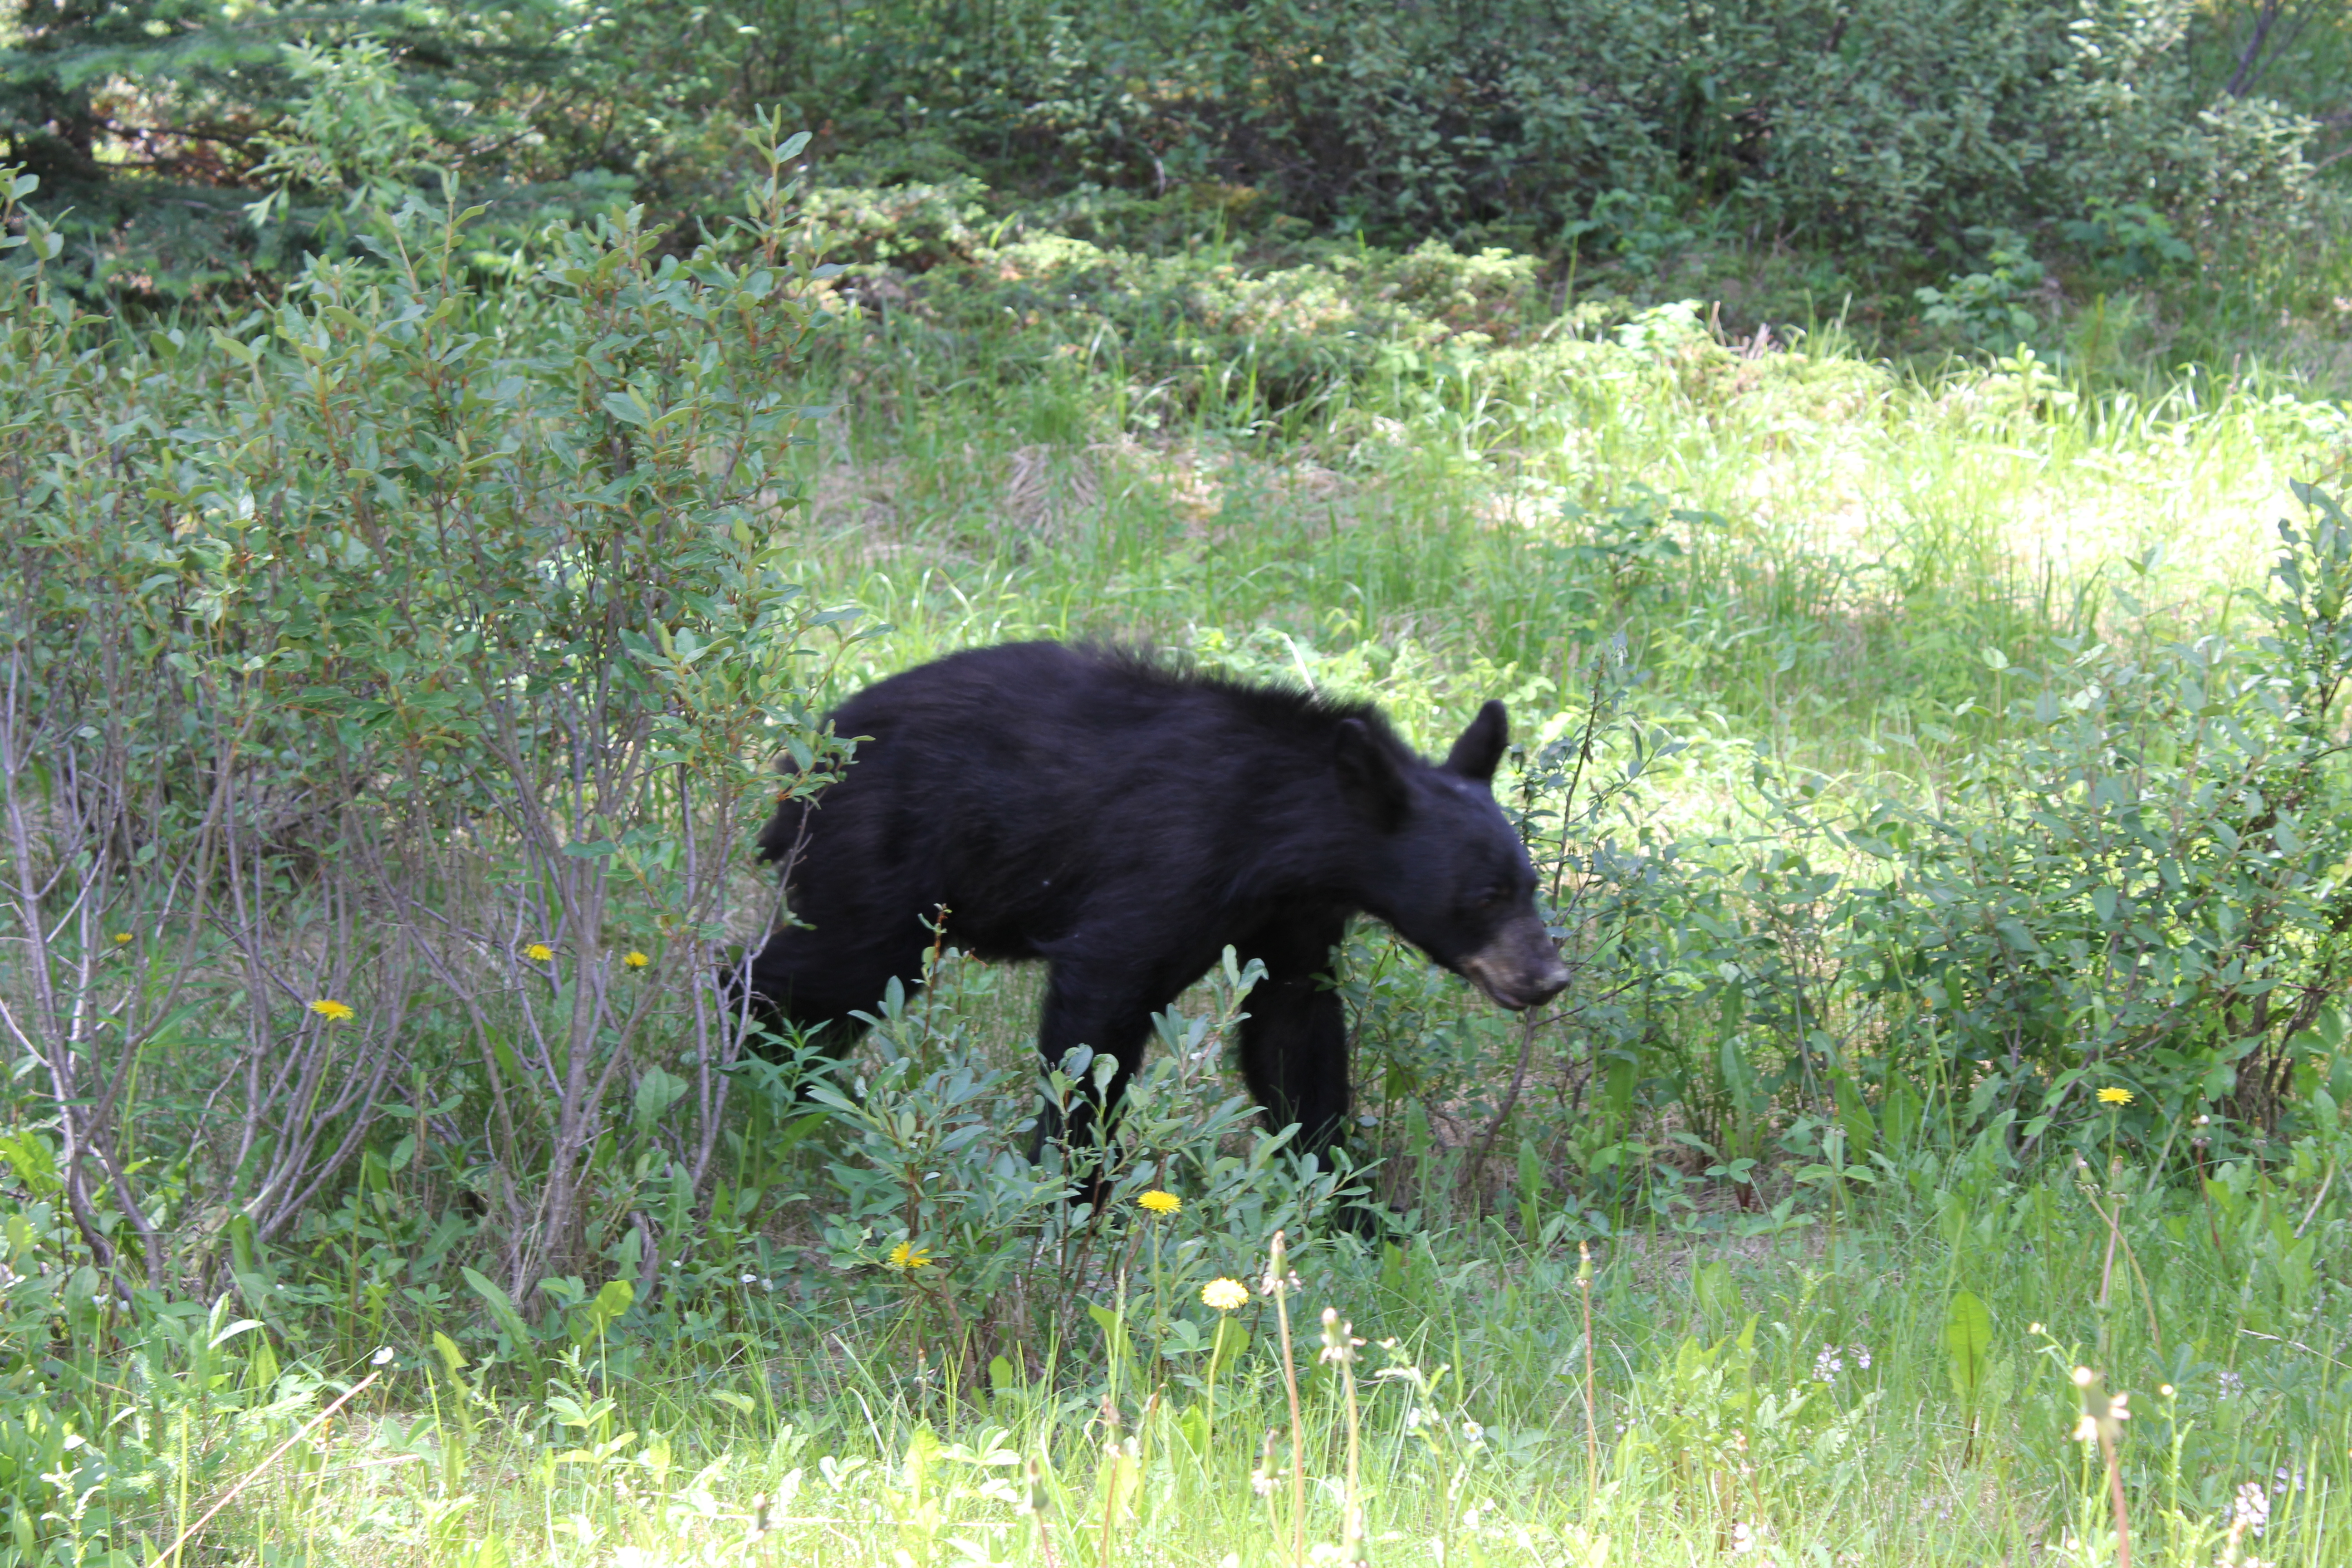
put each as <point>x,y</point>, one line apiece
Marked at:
<point>1520,968</point>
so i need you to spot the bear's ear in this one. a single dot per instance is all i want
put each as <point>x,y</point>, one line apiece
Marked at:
<point>1480,747</point>
<point>1369,775</point>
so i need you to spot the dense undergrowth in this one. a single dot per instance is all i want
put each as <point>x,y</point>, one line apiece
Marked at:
<point>1935,766</point>
<point>1894,145</point>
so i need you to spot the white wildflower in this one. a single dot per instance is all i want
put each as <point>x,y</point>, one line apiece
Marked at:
<point>2251,1509</point>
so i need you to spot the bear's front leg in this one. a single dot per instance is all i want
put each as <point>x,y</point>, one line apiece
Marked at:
<point>1293,1046</point>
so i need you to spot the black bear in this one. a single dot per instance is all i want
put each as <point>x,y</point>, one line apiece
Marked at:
<point>1126,823</point>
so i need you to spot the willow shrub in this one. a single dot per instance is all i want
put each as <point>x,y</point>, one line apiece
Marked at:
<point>386,680</point>
<point>2125,915</point>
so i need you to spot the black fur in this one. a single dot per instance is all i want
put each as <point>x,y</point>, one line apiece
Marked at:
<point>1126,823</point>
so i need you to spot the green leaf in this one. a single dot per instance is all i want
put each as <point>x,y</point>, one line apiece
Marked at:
<point>1716,1292</point>
<point>658,1090</point>
<point>502,1312</point>
<point>1967,1344</point>
<point>612,1299</point>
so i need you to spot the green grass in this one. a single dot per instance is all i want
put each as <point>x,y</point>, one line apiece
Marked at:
<point>1745,1377</point>
<point>1805,548</point>
<point>1806,553</point>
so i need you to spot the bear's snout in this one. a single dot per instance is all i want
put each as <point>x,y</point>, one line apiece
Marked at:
<point>1520,968</point>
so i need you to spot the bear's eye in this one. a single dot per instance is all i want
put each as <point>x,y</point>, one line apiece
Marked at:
<point>1493,897</point>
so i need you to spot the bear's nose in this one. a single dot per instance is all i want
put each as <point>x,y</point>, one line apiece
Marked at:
<point>1548,983</point>
<point>1520,968</point>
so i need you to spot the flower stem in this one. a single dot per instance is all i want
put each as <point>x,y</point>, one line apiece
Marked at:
<point>1278,1287</point>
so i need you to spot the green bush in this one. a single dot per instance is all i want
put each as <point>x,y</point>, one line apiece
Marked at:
<point>980,1251</point>
<point>388,674</point>
<point>153,125</point>
<point>2144,888</point>
<point>1629,133</point>
<point>2136,884</point>
<point>1888,126</point>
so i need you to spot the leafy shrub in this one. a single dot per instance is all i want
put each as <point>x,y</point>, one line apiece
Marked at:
<point>1886,127</point>
<point>1992,306</point>
<point>2131,240</point>
<point>2143,888</point>
<point>2135,886</point>
<point>984,1251</point>
<point>153,125</point>
<point>1631,133</point>
<point>1197,331</point>
<point>389,671</point>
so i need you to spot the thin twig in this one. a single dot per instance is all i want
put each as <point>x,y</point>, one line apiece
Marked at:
<point>2114,1239</point>
<point>2311,1212</point>
<point>1528,1023</point>
<point>2116,1496</point>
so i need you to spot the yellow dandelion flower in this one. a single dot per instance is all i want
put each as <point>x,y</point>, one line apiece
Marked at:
<point>1160,1203</point>
<point>2115,1097</point>
<point>634,959</point>
<point>1224,1295</point>
<point>333,1011</point>
<point>907,1255</point>
<point>539,952</point>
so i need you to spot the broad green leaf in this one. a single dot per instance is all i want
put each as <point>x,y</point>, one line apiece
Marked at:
<point>1967,1344</point>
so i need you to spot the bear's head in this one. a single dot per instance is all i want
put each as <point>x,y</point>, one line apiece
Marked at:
<point>1444,867</point>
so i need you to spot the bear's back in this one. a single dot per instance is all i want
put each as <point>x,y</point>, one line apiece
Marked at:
<point>1095,693</point>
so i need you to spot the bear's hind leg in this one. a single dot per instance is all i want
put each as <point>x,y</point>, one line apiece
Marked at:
<point>1109,1013</point>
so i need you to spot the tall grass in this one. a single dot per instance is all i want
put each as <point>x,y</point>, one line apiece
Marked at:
<point>1759,1393</point>
<point>1803,547</point>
